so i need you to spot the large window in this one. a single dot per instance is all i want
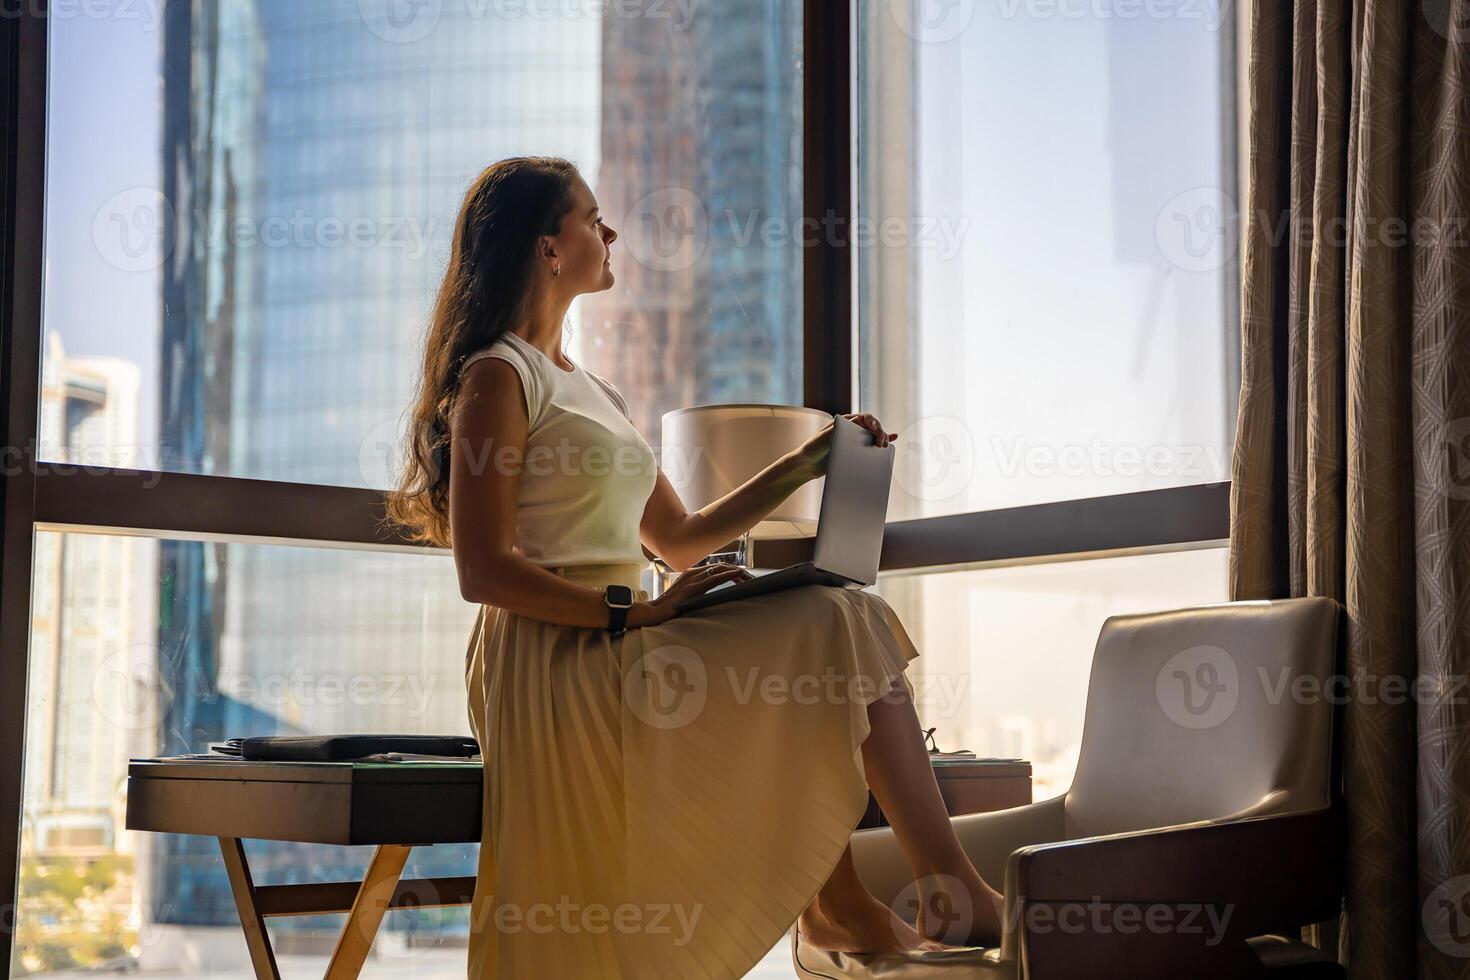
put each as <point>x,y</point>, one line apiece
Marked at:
<point>1046,271</point>
<point>247,209</point>
<point>1046,289</point>
<point>249,205</point>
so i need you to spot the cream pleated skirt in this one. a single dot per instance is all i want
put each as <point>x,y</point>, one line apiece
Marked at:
<point>665,803</point>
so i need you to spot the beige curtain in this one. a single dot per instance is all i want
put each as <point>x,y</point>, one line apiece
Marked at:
<point>1352,456</point>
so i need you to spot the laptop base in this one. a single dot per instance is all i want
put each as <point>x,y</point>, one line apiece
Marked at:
<point>787,578</point>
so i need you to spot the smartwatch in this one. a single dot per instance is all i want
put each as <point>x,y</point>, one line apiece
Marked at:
<point>619,599</point>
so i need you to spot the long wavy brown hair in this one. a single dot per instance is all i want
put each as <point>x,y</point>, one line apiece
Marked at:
<point>486,286</point>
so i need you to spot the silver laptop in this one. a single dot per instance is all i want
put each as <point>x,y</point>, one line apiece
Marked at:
<point>849,525</point>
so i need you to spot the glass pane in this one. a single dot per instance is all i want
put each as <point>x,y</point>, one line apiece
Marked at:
<point>1005,652</point>
<point>1047,287</point>
<point>250,203</point>
<point>142,648</point>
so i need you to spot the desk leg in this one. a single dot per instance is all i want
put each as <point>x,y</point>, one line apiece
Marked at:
<point>261,955</point>
<point>378,884</point>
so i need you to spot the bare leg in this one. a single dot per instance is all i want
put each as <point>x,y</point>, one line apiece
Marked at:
<point>955,903</point>
<point>953,898</point>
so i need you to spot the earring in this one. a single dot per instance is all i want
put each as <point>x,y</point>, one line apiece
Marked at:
<point>556,270</point>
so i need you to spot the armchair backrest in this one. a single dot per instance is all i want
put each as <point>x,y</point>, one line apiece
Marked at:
<point>1207,713</point>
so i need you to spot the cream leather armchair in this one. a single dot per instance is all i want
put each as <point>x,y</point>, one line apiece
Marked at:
<point>1202,819</point>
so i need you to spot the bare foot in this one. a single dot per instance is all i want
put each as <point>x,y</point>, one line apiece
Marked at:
<point>866,926</point>
<point>959,912</point>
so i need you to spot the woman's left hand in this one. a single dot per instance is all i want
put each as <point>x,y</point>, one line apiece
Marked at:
<point>815,451</point>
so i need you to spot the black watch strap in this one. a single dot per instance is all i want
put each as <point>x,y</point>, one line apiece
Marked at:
<point>619,599</point>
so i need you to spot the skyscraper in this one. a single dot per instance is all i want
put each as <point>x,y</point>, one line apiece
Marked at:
<point>701,156</point>
<point>86,708</point>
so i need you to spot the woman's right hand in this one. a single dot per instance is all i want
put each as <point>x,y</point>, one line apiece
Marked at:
<point>694,582</point>
<point>815,452</point>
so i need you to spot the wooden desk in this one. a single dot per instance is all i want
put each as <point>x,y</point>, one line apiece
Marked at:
<point>394,805</point>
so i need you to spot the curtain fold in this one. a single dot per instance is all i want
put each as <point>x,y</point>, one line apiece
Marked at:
<point>1351,474</point>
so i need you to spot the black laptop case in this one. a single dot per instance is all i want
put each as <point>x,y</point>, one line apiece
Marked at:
<point>345,748</point>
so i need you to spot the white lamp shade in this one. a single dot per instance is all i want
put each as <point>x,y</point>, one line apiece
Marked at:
<point>710,450</point>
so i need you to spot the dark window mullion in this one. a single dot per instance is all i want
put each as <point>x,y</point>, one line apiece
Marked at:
<point>22,172</point>
<point>827,140</point>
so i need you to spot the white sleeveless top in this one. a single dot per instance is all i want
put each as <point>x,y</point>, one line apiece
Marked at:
<point>588,472</point>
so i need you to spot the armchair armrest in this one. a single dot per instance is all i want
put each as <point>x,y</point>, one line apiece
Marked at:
<point>1133,892</point>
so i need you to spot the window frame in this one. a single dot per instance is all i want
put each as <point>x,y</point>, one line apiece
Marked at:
<point>50,496</point>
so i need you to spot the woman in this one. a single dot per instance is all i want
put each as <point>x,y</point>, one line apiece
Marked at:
<point>661,801</point>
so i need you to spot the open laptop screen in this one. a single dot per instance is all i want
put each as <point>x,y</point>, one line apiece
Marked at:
<point>854,503</point>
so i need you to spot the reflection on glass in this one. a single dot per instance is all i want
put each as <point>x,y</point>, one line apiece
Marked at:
<point>133,655</point>
<point>1005,652</point>
<point>252,201</point>
<point>1046,308</point>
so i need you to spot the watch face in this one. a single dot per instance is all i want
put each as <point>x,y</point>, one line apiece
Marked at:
<point>619,595</point>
